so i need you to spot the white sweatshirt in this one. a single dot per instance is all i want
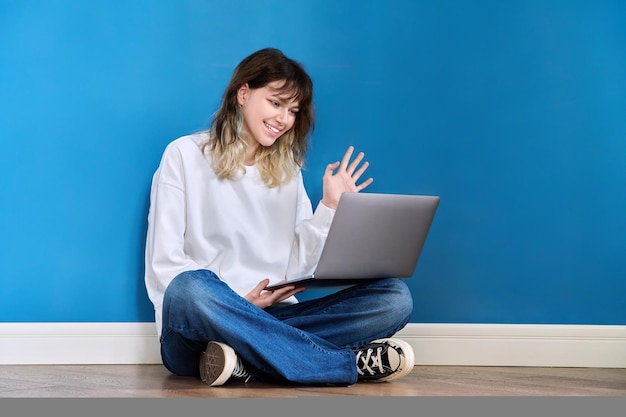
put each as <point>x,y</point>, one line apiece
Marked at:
<point>240,229</point>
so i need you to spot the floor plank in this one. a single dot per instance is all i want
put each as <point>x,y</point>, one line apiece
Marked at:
<point>148,381</point>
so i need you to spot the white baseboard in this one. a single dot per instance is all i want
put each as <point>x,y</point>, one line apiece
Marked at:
<point>434,344</point>
<point>592,346</point>
<point>78,343</point>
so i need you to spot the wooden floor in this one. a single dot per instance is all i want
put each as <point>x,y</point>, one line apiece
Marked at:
<point>148,381</point>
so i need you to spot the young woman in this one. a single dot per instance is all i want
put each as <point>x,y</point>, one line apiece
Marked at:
<point>228,215</point>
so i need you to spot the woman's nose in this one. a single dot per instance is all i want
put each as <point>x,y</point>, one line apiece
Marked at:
<point>282,116</point>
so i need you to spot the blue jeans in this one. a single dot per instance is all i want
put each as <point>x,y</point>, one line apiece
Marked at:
<point>305,343</point>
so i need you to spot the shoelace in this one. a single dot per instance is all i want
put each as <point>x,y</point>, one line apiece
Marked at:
<point>240,373</point>
<point>376,361</point>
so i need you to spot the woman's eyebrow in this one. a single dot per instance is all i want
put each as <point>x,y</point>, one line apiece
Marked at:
<point>285,99</point>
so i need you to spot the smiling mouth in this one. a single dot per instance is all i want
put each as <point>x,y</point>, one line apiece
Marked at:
<point>272,128</point>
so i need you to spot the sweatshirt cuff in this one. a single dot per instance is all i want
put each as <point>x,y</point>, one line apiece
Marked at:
<point>322,218</point>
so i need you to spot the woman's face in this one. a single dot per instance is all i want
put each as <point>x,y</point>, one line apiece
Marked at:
<point>268,113</point>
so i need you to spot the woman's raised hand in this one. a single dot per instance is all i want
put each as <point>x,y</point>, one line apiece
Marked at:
<point>341,177</point>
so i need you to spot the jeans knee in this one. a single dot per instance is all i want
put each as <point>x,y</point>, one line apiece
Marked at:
<point>186,284</point>
<point>400,299</point>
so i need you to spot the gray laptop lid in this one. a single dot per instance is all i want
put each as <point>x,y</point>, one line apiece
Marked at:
<point>373,236</point>
<point>376,236</point>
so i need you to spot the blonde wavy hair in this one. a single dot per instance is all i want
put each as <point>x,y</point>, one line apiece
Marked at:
<point>279,163</point>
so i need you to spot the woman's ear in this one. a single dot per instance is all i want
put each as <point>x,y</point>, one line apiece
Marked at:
<point>242,93</point>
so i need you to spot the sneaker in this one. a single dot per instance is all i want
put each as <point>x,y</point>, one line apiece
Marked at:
<point>219,363</point>
<point>384,359</point>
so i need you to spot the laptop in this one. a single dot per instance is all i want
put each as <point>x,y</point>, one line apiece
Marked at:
<point>372,236</point>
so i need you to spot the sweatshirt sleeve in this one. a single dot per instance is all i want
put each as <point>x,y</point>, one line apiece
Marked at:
<point>165,257</point>
<point>310,235</point>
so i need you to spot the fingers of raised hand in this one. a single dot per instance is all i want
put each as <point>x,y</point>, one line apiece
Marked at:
<point>356,175</point>
<point>331,167</point>
<point>346,157</point>
<point>355,163</point>
<point>364,184</point>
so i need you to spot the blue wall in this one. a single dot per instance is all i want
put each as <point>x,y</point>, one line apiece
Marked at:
<point>513,112</point>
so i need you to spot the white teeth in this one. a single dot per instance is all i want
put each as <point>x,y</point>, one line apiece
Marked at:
<point>273,129</point>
